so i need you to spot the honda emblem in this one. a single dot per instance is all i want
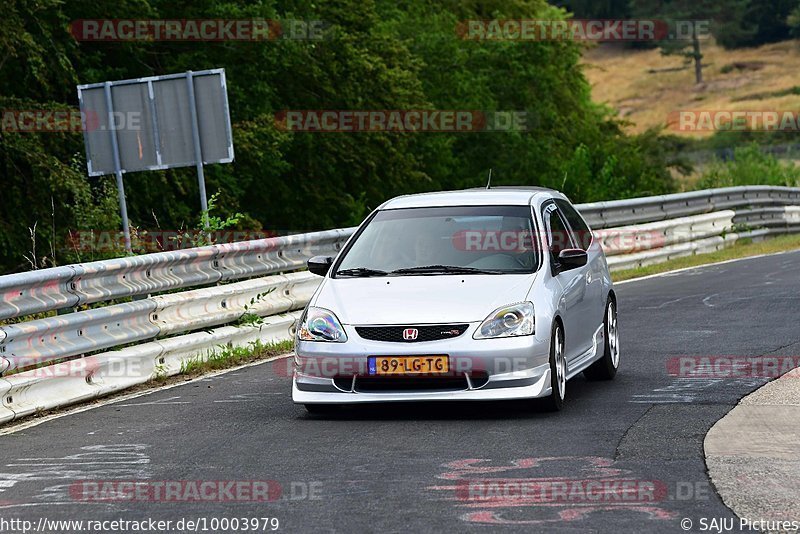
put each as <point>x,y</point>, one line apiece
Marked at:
<point>410,334</point>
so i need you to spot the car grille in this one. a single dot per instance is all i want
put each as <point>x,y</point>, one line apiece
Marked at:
<point>391,385</point>
<point>427,332</point>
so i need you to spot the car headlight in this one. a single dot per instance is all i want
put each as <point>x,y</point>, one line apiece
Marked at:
<point>319,324</point>
<point>508,321</point>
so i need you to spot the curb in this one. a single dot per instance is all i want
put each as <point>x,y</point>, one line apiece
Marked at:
<point>753,454</point>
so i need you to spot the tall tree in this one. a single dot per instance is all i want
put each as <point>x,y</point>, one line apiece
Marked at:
<point>692,22</point>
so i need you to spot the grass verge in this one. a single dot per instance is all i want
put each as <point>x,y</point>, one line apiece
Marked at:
<point>741,249</point>
<point>232,356</point>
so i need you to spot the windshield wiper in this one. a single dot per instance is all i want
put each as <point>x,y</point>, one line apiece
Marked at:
<point>448,269</point>
<point>362,272</point>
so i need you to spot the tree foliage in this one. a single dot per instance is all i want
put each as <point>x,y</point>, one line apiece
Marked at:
<point>735,23</point>
<point>378,55</point>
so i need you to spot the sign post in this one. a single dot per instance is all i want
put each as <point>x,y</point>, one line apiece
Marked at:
<point>198,151</point>
<point>156,123</point>
<point>123,207</point>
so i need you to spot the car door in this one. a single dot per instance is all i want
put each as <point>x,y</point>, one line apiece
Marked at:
<point>573,302</point>
<point>583,237</point>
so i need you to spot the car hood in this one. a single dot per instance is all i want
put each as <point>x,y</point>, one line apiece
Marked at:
<point>421,299</point>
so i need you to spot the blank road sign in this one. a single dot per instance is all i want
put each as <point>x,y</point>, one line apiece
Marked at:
<point>152,122</point>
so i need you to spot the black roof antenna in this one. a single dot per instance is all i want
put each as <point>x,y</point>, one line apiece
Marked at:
<point>489,183</point>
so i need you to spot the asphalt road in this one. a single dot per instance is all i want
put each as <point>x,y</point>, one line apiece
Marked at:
<point>430,468</point>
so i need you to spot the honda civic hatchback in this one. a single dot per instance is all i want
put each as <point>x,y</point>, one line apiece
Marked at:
<point>487,294</point>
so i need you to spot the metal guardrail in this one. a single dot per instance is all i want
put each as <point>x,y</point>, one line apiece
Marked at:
<point>203,308</point>
<point>88,283</point>
<point>95,376</point>
<point>54,338</point>
<point>788,216</point>
<point>657,208</point>
<point>172,328</point>
<point>703,233</point>
<point>36,291</point>
<point>41,340</point>
<point>634,238</point>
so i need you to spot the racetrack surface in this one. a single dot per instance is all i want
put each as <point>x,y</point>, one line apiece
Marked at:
<point>437,467</point>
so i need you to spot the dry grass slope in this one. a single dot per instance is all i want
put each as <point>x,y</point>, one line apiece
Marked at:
<point>645,86</point>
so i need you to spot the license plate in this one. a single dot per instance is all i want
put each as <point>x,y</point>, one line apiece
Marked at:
<point>408,365</point>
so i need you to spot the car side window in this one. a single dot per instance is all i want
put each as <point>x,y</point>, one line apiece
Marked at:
<point>557,231</point>
<point>581,233</point>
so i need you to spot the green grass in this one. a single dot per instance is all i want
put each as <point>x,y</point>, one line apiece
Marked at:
<point>741,249</point>
<point>228,356</point>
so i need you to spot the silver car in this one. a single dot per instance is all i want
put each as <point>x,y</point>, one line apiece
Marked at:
<point>486,294</point>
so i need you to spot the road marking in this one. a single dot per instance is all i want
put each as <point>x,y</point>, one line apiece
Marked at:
<point>116,461</point>
<point>688,390</point>
<point>170,400</point>
<point>667,303</point>
<point>248,397</point>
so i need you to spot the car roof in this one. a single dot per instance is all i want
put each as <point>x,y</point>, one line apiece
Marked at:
<point>500,196</point>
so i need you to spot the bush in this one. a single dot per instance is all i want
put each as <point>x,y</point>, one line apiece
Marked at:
<point>750,166</point>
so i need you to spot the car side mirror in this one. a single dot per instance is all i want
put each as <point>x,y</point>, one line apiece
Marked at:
<point>320,265</point>
<point>571,258</point>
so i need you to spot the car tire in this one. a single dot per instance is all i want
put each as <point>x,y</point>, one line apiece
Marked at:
<point>558,370</point>
<point>606,367</point>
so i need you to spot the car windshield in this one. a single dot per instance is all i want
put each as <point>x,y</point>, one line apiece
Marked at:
<point>443,240</point>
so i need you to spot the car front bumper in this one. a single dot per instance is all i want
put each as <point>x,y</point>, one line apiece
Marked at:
<point>509,368</point>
